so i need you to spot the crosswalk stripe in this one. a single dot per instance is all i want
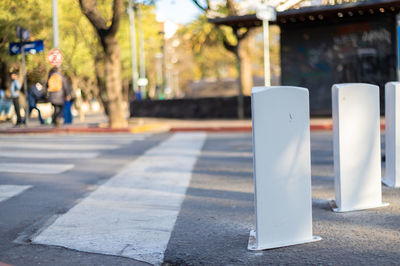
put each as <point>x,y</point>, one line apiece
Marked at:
<point>113,139</point>
<point>35,168</point>
<point>57,146</point>
<point>48,154</point>
<point>133,213</point>
<point>9,191</point>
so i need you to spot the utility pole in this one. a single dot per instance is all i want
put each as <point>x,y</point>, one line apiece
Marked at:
<point>143,80</point>
<point>55,24</point>
<point>266,13</point>
<point>267,73</point>
<point>131,13</point>
<point>23,35</point>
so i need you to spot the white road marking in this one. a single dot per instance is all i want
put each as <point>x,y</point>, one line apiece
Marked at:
<point>109,139</point>
<point>35,168</point>
<point>57,146</point>
<point>133,214</point>
<point>9,191</point>
<point>48,154</point>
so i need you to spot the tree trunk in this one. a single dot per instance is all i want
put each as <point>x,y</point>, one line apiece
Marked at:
<point>245,54</point>
<point>117,115</point>
<point>101,93</point>
<point>240,88</point>
<point>107,33</point>
<point>4,76</point>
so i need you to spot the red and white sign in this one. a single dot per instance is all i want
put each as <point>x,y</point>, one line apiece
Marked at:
<point>55,57</point>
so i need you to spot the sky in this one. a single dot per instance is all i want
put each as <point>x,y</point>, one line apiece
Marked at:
<point>178,11</point>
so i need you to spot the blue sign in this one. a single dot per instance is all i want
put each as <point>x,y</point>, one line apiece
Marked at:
<point>29,47</point>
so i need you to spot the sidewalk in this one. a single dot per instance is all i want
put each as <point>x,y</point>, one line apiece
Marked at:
<point>98,124</point>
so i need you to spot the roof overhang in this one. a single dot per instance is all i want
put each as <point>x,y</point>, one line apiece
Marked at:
<point>317,13</point>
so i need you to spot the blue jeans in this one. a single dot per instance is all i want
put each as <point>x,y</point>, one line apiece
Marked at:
<point>67,112</point>
<point>39,115</point>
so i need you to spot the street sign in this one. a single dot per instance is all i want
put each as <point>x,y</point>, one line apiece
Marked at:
<point>55,57</point>
<point>266,12</point>
<point>143,82</point>
<point>29,47</point>
<point>22,33</point>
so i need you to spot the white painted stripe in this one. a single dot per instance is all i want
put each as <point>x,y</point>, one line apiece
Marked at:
<point>92,141</point>
<point>65,138</point>
<point>9,191</point>
<point>132,214</point>
<point>35,168</point>
<point>48,154</point>
<point>57,146</point>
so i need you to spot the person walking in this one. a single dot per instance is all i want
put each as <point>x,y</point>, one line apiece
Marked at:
<point>34,94</point>
<point>68,105</point>
<point>15,87</point>
<point>58,92</point>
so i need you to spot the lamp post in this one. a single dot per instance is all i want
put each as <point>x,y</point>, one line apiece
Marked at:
<point>266,13</point>
<point>23,35</point>
<point>142,80</point>
<point>55,24</point>
<point>131,14</point>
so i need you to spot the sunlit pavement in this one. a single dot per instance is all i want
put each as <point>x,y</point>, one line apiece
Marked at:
<point>178,198</point>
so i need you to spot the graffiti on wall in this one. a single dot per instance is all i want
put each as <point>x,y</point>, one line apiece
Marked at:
<point>320,56</point>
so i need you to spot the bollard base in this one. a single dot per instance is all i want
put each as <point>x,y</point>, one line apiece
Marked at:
<point>389,183</point>
<point>252,245</point>
<point>383,204</point>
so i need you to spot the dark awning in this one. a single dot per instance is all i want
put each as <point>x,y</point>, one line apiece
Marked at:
<point>317,13</point>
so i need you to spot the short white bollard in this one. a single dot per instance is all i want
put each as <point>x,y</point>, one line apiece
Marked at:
<point>392,136</point>
<point>356,146</point>
<point>282,167</point>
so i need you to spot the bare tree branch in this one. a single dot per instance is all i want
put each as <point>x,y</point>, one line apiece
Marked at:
<point>228,46</point>
<point>230,4</point>
<point>205,9</point>
<point>117,11</point>
<point>90,10</point>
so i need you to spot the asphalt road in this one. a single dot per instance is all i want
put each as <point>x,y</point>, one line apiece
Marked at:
<point>203,220</point>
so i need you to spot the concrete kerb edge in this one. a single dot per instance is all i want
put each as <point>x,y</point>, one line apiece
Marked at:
<point>149,128</point>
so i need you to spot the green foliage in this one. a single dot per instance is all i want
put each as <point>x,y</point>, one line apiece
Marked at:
<point>212,60</point>
<point>33,15</point>
<point>79,44</point>
<point>78,41</point>
<point>152,41</point>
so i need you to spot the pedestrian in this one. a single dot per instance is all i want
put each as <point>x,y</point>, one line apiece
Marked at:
<point>67,107</point>
<point>15,87</point>
<point>58,92</point>
<point>35,93</point>
<point>2,103</point>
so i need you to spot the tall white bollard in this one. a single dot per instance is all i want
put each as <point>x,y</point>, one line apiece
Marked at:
<point>282,167</point>
<point>392,136</point>
<point>356,146</point>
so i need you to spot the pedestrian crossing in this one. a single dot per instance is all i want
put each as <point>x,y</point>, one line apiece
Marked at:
<point>130,215</point>
<point>9,191</point>
<point>57,146</point>
<point>24,151</point>
<point>133,214</point>
<point>27,147</point>
<point>34,168</point>
<point>48,154</point>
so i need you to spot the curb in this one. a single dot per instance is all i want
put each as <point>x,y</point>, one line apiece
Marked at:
<point>316,127</point>
<point>64,130</point>
<point>148,128</point>
<point>211,129</point>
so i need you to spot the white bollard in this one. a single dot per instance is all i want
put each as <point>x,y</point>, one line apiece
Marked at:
<point>282,167</point>
<point>392,136</point>
<point>356,146</point>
